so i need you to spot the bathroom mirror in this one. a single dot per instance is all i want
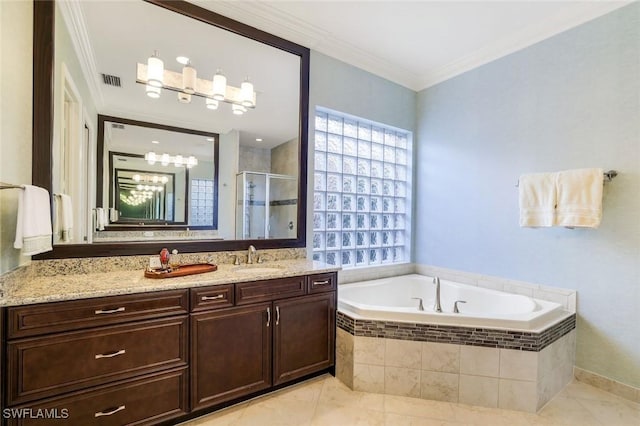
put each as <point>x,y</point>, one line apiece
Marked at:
<point>81,76</point>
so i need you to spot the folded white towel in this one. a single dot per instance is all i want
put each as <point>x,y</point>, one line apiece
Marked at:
<point>113,215</point>
<point>579,198</point>
<point>537,195</point>
<point>33,227</point>
<point>100,219</point>
<point>63,220</point>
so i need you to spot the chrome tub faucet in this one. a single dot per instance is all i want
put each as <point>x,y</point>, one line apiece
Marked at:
<point>437,307</point>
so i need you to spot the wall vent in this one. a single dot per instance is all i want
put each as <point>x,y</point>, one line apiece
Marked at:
<point>111,80</point>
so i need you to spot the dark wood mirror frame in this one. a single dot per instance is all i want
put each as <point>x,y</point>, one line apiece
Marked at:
<point>100,164</point>
<point>43,64</point>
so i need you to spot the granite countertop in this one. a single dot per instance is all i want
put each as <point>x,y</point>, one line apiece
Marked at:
<point>82,286</point>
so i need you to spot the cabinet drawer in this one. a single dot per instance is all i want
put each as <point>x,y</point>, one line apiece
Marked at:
<point>263,291</point>
<point>46,366</point>
<point>322,282</point>
<point>214,297</point>
<point>77,314</point>
<point>150,399</point>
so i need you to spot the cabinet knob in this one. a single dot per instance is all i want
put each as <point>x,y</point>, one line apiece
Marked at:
<point>111,354</point>
<point>109,412</point>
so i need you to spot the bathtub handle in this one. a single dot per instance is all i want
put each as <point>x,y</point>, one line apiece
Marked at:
<point>420,305</point>
<point>455,306</point>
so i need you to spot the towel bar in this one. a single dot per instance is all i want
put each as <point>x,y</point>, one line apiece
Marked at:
<point>608,176</point>
<point>9,186</point>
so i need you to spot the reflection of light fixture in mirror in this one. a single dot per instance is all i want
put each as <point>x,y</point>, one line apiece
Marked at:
<point>153,92</point>
<point>258,139</point>
<point>246,93</point>
<point>211,103</point>
<point>184,98</point>
<point>166,159</point>
<point>149,178</point>
<point>155,71</point>
<point>189,76</point>
<point>210,139</point>
<point>219,86</point>
<point>155,142</point>
<point>238,109</point>
<point>187,83</point>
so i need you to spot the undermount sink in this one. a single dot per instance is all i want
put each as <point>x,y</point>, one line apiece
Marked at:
<point>257,269</point>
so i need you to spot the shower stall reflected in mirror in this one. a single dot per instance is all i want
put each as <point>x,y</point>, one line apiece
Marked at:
<point>266,205</point>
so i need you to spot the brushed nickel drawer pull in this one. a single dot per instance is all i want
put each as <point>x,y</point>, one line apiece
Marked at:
<point>110,311</point>
<point>325,282</point>
<point>277,315</point>
<point>220,296</point>
<point>111,354</point>
<point>110,412</point>
<point>268,317</point>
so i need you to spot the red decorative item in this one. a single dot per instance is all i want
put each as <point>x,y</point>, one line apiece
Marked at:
<point>164,258</point>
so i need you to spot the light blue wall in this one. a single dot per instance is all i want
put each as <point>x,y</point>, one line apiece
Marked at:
<point>339,86</point>
<point>570,101</point>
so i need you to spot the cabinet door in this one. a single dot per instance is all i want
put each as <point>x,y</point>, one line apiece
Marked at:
<point>304,338</point>
<point>230,353</point>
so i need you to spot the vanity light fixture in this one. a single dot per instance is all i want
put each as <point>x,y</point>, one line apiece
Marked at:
<point>150,178</point>
<point>166,159</point>
<point>187,83</point>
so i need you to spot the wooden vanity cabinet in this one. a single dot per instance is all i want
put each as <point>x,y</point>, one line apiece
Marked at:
<point>111,360</point>
<point>277,334</point>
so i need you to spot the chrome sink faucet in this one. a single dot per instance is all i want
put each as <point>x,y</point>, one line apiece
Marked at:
<point>437,307</point>
<point>251,252</point>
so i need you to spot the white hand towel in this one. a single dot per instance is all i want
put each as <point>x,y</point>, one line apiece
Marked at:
<point>33,227</point>
<point>579,198</point>
<point>64,217</point>
<point>100,222</point>
<point>537,195</point>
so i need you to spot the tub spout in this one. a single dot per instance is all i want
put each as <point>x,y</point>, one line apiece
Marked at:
<point>437,307</point>
<point>420,305</point>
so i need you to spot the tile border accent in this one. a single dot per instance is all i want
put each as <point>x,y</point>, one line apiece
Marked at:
<point>474,336</point>
<point>608,385</point>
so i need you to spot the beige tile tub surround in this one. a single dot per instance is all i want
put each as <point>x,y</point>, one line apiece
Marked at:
<point>487,377</point>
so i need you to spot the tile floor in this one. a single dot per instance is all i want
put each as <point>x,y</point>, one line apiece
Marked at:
<point>326,401</point>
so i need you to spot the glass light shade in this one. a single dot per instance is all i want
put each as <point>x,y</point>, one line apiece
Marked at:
<point>165,159</point>
<point>246,93</point>
<point>164,179</point>
<point>155,71</point>
<point>150,157</point>
<point>189,78</point>
<point>238,109</point>
<point>211,103</point>
<point>136,178</point>
<point>154,179</point>
<point>153,92</point>
<point>219,86</point>
<point>178,160</point>
<point>191,161</point>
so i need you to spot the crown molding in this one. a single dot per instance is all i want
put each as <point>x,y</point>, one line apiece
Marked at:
<point>524,38</point>
<point>270,18</point>
<point>74,18</point>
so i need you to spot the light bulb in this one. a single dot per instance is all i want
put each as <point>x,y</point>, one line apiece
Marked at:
<point>238,109</point>
<point>165,159</point>
<point>178,160</point>
<point>150,157</point>
<point>136,177</point>
<point>153,92</point>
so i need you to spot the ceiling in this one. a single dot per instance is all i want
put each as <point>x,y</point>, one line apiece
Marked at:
<point>414,43</point>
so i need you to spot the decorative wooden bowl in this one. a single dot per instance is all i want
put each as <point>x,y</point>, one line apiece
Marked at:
<point>180,271</point>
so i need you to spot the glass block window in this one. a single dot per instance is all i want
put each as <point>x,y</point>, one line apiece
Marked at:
<point>361,191</point>
<point>201,212</point>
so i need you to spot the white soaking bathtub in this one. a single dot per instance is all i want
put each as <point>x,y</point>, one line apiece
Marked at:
<point>390,299</point>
